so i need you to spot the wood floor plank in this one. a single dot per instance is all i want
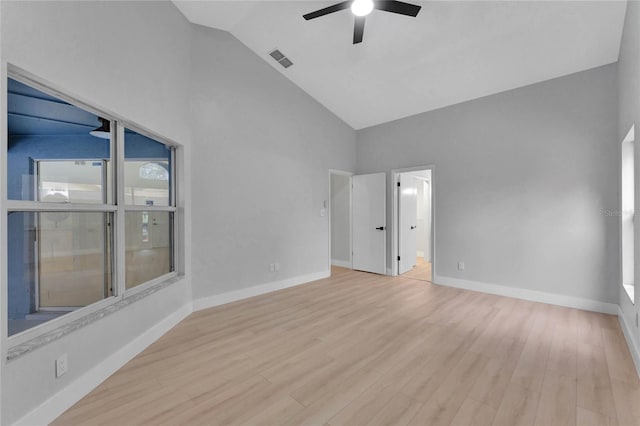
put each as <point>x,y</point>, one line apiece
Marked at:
<point>589,418</point>
<point>627,401</point>
<point>496,377</point>
<point>558,400</point>
<point>594,384</point>
<point>443,405</point>
<point>518,407</point>
<point>398,412</point>
<point>360,348</point>
<point>474,413</point>
<point>530,370</point>
<point>619,360</point>
<point>367,405</point>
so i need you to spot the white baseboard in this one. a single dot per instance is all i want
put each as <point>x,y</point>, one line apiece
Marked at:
<point>634,346</point>
<point>341,263</point>
<point>49,410</point>
<point>420,253</point>
<point>232,296</point>
<point>531,295</point>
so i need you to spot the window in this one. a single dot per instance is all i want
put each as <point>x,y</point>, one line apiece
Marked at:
<point>628,213</point>
<point>90,209</point>
<point>149,213</point>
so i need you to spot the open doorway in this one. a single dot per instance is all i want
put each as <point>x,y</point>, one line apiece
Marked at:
<point>413,224</point>
<point>340,220</point>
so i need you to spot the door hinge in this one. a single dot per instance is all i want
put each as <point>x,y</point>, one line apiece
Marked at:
<point>398,257</point>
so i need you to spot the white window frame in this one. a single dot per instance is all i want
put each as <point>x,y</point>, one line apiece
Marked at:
<point>627,215</point>
<point>117,208</point>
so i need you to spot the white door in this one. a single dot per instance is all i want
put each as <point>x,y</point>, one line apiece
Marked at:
<point>408,217</point>
<point>370,223</point>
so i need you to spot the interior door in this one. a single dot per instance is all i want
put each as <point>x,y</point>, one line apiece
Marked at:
<point>408,218</point>
<point>370,223</point>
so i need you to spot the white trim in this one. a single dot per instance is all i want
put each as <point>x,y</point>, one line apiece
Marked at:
<point>630,290</point>
<point>341,263</point>
<point>4,289</point>
<point>420,253</point>
<point>49,410</point>
<point>34,206</point>
<point>634,346</point>
<point>128,292</point>
<point>119,250</point>
<point>531,295</point>
<point>40,329</point>
<point>245,293</point>
<point>145,208</point>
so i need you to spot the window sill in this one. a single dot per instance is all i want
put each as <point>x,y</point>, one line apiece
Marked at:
<point>21,348</point>
<point>630,290</point>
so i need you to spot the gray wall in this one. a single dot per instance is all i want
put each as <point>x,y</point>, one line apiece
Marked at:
<point>521,183</point>
<point>629,115</point>
<point>260,174</point>
<point>112,55</point>
<point>340,219</point>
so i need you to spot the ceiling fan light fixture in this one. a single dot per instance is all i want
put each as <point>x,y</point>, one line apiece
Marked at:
<point>104,131</point>
<point>361,7</point>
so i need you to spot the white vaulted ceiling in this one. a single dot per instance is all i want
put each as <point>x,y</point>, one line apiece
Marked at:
<point>454,51</point>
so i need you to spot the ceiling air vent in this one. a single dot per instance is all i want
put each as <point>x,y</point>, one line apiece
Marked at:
<point>282,60</point>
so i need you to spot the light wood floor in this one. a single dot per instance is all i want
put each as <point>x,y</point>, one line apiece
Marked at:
<point>359,348</point>
<point>422,270</point>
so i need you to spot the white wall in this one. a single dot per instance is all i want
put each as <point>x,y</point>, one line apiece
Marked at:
<point>629,115</point>
<point>112,55</point>
<point>264,148</point>
<point>523,179</point>
<point>340,219</point>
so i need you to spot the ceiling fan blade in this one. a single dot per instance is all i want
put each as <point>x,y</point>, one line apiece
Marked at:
<point>327,10</point>
<point>395,6</point>
<point>358,30</point>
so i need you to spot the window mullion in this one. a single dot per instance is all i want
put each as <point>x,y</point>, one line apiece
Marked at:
<point>137,208</point>
<point>120,249</point>
<point>28,206</point>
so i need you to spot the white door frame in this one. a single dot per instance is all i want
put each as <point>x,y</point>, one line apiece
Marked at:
<point>350,175</point>
<point>395,178</point>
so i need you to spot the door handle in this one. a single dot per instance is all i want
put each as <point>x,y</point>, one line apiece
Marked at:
<point>380,228</point>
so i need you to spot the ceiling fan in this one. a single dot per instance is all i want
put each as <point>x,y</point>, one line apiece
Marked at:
<point>361,8</point>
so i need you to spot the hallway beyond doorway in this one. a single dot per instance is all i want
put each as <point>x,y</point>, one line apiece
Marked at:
<point>422,271</point>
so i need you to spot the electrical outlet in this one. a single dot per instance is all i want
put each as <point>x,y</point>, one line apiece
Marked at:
<point>460,266</point>
<point>277,267</point>
<point>62,365</point>
<point>272,267</point>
